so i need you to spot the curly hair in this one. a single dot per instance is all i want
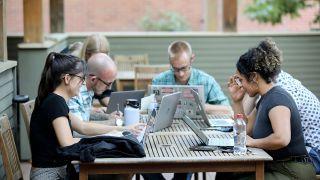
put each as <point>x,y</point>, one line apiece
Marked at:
<point>264,59</point>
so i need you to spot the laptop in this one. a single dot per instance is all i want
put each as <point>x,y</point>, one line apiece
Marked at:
<point>217,120</point>
<point>186,104</point>
<point>121,97</point>
<point>167,109</point>
<point>161,119</point>
<point>222,140</point>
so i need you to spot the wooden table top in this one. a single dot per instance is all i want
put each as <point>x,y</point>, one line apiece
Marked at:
<point>172,145</point>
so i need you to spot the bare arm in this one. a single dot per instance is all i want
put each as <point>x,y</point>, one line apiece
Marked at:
<point>238,94</point>
<point>224,109</point>
<point>63,132</point>
<point>104,101</point>
<point>281,136</point>
<point>249,103</point>
<point>98,116</point>
<point>91,129</point>
<point>250,119</point>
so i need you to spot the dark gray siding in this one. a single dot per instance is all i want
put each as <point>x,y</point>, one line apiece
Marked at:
<point>7,91</point>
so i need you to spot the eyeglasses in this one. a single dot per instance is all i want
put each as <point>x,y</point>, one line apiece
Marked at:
<point>183,69</point>
<point>105,83</point>
<point>82,78</point>
<point>108,84</point>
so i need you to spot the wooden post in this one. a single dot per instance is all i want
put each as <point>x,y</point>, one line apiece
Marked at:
<point>56,16</point>
<point>3,31</point>
<point>33,21</point>
<point>230,10</point>
<point>212,15</point>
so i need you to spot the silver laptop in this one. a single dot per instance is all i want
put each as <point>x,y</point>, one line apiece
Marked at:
<point>165,114</point>
<point>186,104</point>
<point>225,139</point>
<point>121,97</point>
<point>162,119</point>
<point>219,120</point>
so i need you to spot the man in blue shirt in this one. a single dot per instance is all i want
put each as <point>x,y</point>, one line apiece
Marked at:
<point>182,73</point>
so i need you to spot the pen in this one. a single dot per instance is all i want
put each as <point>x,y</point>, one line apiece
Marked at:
<point>118,110</point>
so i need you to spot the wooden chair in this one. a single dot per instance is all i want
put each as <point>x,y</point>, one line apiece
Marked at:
<point>8,149</point>
<point>26,110</point>
<point>125,66</point>
<point>143,74</point>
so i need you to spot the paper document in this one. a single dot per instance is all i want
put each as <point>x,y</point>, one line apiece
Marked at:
<point>146,101</point>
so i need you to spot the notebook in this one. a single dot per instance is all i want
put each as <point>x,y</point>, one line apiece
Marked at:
<point>217,120</point>
<point>222,140</point>
<point>121,97</point>
<point>186,104</point>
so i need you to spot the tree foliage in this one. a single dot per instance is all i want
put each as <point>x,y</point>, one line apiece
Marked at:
<point>272,11</point>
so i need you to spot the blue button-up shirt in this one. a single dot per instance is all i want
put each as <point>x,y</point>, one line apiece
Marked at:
<point>212,90</point>
<point>81,105</point>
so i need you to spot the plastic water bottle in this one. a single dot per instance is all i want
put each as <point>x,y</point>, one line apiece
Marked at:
<point>239,135</point>
<point>131,112</point>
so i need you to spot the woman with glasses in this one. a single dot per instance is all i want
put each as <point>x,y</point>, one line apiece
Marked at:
<point>275,124</point>
<point>51,122</point>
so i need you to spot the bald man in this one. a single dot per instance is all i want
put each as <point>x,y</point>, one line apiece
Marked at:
<point>102,71</point>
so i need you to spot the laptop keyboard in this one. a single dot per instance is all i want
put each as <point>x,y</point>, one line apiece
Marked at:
<point>218,116</point>
<point>220,120</point>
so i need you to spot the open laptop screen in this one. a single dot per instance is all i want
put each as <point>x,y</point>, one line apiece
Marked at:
<point>121,97</point>
<point>187,104</point>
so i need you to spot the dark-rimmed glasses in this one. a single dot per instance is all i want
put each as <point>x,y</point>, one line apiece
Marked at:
<point>183,69</point>
<point>82,78</point>
<point>108,84</point>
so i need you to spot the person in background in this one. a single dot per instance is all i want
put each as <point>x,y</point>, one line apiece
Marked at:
<point>75,49</point>
<point>181,58</point>
<point>51,122</point>
<point>275,124</point>
<point>93,44</point>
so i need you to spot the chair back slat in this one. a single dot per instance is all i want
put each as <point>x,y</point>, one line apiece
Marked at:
<point>143,74</point>
<point>26,110</point>
<point>125,63</point>
<point>8,149</point>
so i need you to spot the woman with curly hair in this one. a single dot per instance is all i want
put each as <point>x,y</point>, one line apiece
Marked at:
<point>275,124</point>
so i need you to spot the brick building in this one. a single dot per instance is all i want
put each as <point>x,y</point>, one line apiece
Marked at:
<point>125,15</point>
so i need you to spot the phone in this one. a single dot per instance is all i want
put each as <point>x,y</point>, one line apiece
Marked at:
<point>220,128</point>
<point>203,148</point>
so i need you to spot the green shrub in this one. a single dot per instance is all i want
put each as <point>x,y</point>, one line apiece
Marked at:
<point>167,21</point>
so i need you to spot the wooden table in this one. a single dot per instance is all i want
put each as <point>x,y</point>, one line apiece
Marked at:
<point>168,151</point>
